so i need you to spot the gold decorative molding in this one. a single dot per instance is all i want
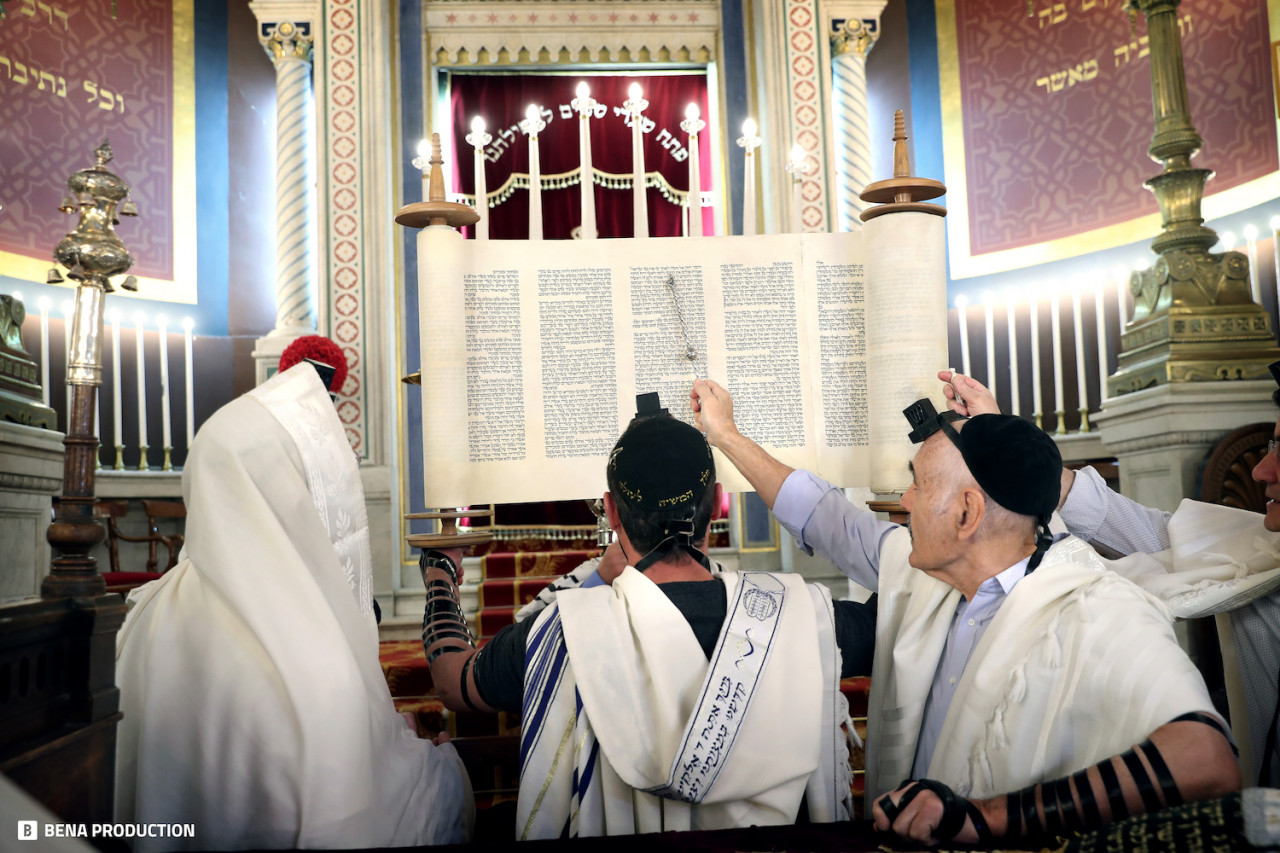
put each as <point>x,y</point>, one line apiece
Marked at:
<point>854,36</point>
<point>287,40</point>
<point>473,33</point>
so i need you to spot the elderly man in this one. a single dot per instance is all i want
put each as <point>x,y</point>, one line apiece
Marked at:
<point>670,698</point>
<point>1230,537</point>
<point>1010,669</point>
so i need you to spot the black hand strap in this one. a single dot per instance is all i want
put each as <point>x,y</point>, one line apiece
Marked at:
<point>955,809</point>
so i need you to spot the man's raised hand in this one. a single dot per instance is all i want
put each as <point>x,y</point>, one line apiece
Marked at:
<point>967,396</point>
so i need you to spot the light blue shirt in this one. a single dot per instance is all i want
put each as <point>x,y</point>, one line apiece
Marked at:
<point>824,521</point>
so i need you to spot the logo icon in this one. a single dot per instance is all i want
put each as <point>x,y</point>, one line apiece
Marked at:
<point>28,830</point>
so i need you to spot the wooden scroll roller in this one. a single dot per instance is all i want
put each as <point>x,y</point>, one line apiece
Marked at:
<point>436,211</point>
<point>903,191</point>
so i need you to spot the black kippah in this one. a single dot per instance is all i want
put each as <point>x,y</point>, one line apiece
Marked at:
<point>1014,462</point>
<point>661,465</point>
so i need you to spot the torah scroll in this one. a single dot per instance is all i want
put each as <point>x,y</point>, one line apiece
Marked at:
<point>533,352</point>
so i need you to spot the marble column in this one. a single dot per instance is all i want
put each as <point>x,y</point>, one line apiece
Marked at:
<point>852,41</point>
<point>288,43</point>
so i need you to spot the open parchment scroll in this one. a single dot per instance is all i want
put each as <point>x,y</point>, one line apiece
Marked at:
<point>533,351</point>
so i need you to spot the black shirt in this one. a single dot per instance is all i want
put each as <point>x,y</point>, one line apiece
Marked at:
<point>499,667</point>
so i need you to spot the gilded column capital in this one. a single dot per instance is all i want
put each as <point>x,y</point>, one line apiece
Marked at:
<point>853,35</point>
<point>287,40</point>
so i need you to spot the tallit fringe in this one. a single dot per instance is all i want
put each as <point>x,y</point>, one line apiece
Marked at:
<point>1240,567</point>
<point>997,735</point>
<point>1051,650</point>
<point>1017,685</point>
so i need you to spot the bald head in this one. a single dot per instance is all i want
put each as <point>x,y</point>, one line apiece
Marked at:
<point>959,533</point>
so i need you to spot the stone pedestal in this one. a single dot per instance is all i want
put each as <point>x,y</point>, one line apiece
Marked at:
<point>1160,435</point>
<point>30,475</point>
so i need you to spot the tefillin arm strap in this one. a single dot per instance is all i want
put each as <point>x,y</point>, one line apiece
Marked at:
<point>443,619</point>
<point>1156,786</point>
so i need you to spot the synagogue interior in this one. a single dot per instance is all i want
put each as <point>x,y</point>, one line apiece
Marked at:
<point>496,224</point>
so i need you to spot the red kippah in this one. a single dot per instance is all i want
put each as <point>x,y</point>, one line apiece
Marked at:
<point>321,349</point>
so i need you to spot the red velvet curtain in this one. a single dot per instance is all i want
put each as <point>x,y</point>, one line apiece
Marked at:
<point>501,100</point>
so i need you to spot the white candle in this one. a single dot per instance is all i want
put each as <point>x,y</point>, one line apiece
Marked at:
<point>989,312</point>
<point>117,416</point>
<point>1100,316</point>
<point>1056,319</point>
<point>187,326</point>
<point>749,142</point>
<point>1082,382</point>
<point>478,139</point>
<point>584,104</point>
<point>1011,319</point>
<point>1255,285</point>
<point>1275,249</point>
<point>1034,297</point>
<point>635,107</point>
<point>142,394</point>
<point>44,348</point>
<point>693,125</point>
<point>533,125</point>
<point>166,431</point>
<point>798,168</point>
<point>962,302</point>
<point>420,163</point>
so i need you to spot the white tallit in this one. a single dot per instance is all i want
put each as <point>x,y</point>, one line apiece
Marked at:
<point>614,681</point>
<point>254,704</point>
<point>1077,665</point>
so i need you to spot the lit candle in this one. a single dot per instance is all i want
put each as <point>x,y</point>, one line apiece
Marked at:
<point>1228,240</point>
<point>478,139</point>
<point>1033,296</point>
<point>117,417</point>
<point>962,302</point>
<point>749,142</point>
<point>1275,248</point>
<point>1011,319</point>
<point>187,326</point>
<point>584,104</point>
<point>798,169</point>
<point>1100,315</point>
<point>1077,318</point>
<point>1251,238</point>
<point>422,165</point>
<point>635,107</point>
<point>166,432</point>
<point>532,126</point>
<point>1059,406</point>
<point>693,125</point>
<point>44,304</point>
<point>989,311</point>
<point>142,395</point>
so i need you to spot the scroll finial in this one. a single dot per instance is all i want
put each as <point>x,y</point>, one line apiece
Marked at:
<point>901,163</point>
<point>103,154</point>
